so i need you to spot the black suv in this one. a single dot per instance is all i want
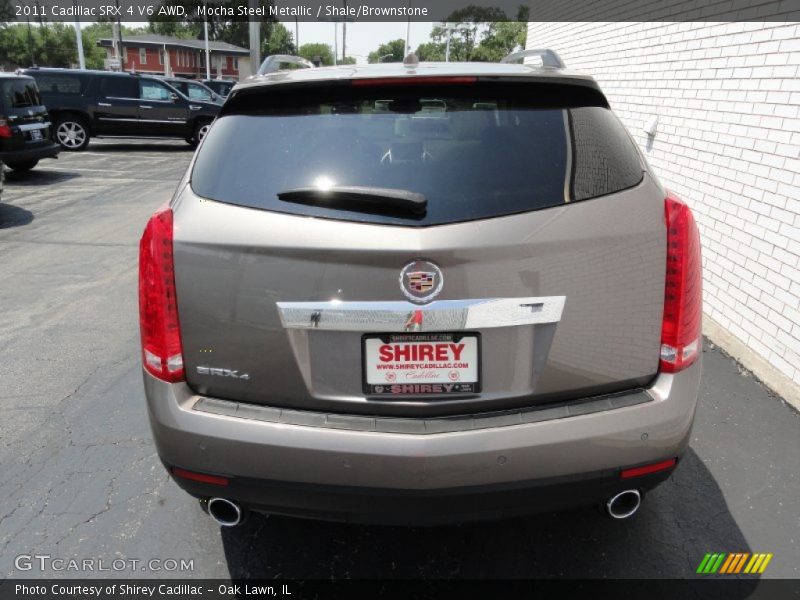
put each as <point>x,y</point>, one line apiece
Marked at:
<point>25,131</point>
<point>194,90</point>
<point>222,87</point>
<point>86,104</point>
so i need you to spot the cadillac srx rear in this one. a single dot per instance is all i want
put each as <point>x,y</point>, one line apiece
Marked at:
<point>420,293</point>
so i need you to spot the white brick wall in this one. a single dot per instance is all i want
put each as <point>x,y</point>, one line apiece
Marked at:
<point>727,96</point>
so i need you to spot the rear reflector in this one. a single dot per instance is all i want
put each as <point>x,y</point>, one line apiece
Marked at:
<point>5,129</point>
<point>681,326</point>
<point>201,477</point>
<point>647,469</point>
<point>162,352</point>
<point>374,81</point>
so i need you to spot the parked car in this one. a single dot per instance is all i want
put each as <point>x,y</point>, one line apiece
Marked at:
<point>222,87</point>
<point>25,129</point>
<point>354,311</point>
<point>86,104</point>
<point>194,90</point>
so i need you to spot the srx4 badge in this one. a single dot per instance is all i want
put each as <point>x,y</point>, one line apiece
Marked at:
<point>222,373</point>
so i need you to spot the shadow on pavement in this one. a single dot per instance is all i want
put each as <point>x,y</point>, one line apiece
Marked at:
<point>177,146</point>
<point>14,216</point>
<point>38,177</point>
<point>679,522</point>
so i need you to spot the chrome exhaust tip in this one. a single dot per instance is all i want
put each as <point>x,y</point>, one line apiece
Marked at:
<point>225,512</point>
<point>624,505</point>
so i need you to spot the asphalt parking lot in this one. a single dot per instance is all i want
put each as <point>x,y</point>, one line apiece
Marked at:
<point>81,478</point>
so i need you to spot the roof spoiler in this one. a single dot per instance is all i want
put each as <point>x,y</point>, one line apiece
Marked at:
<point>273,63</point>
<point>549,57</point>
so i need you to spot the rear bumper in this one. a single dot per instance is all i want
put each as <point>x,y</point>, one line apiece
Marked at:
<point>49,150</point>
<point>330,470</point>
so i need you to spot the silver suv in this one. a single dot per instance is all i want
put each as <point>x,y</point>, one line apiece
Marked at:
<point>420,293</point>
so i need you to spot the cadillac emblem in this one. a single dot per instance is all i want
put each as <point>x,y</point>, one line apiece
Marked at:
<point>421,281</point>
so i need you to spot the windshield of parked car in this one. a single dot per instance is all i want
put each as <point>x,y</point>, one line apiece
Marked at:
<point>473,151</point>
<point>20,93</point>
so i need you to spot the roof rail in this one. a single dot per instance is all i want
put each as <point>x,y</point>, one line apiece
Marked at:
<point>273,63</point>
<point>549,57</point>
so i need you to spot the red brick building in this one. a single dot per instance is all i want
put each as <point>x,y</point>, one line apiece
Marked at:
<point>163,55</point>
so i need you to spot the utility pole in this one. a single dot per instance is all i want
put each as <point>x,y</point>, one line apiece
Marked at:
<point>344,31</point>
<point>255,39</point>
<point>335,43</point>
<point>448,29</point>
<point>30,41</point>
<point>121,55</point>
<point>296,35</point>
<point>408,30</point>
<point>79,39</point>
<point>208,52</point>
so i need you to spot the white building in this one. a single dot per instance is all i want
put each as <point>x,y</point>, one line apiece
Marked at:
<point>727,140</point>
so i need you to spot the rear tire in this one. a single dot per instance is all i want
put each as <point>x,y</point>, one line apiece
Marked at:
<point>71,132</point>
<point>26,165</point>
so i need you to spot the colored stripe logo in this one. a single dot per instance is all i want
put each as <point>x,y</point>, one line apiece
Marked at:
<point>734,563</point>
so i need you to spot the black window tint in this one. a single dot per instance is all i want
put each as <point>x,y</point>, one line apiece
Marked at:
<point>474,151</point>
<point>119,87</point>
<point>604,158</point>
<point>59,84</point>
<point>20,93</point>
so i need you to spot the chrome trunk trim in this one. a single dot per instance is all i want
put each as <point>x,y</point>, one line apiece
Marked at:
<point>442,315</point>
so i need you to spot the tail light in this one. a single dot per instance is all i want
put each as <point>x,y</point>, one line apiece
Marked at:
<point>5,128</point>
<point>162,352</point>
<point>681,327</point>
<point>440,80</point>
<point>201,477</point>
<point>648,469</point>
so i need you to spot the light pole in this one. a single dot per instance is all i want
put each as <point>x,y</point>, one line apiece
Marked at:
<point>450,29</point>
<point>121,54</point>
<point>205,36</point>
<point>335,43</point>
<point>79,38</point>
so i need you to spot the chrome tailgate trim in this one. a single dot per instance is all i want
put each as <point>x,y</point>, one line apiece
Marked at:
<point>443,315</point>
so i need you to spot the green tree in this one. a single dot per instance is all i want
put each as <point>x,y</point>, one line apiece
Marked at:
<point>278,40</point>
<point>7,13</point>
<point>430,52</point>
<point>476,33</point>
<point>393,51</point>
<point>312,51</point>
<point>53,44</point>
<point>503,38</point>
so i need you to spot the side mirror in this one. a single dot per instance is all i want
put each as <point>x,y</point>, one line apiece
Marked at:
<point>173,96</point>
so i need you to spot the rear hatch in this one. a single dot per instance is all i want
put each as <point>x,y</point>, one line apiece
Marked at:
<point>22,109</point>
<point>389,248</point>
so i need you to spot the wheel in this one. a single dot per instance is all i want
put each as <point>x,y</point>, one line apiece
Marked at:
<point>200,131</point>
<point>72,132</point>
<point>26,165</point>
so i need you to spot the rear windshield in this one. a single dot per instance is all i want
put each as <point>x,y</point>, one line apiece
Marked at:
<point>20,93</point>
<point>474,151</point>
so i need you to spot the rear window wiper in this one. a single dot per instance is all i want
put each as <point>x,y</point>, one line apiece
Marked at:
<point>360,199</point>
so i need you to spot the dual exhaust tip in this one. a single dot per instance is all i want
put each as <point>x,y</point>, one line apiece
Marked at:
<point>624,505</point>
<point>228,513</point>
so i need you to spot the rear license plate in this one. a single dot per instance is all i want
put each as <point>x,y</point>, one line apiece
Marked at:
<point>438,364</point>
<point>36,134</point>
